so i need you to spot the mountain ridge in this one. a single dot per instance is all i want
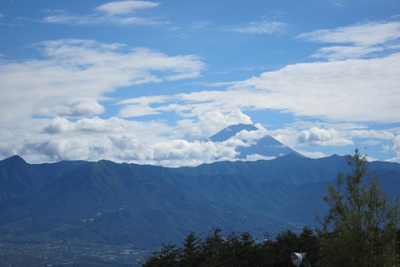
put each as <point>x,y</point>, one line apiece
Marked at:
<point>144,205</point>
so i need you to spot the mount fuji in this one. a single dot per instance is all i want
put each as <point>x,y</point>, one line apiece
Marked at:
<point>264,146</point>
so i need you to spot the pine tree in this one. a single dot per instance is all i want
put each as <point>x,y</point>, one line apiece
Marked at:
<point>360,227</point>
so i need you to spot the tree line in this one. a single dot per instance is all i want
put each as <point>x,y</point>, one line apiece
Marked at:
<point>360,229</point>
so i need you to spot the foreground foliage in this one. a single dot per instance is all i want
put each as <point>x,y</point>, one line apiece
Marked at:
<point>361,226</point>
<point>360,229</point>
<point>238,249</point>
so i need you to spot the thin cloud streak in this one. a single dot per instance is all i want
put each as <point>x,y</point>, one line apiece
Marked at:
<point>368,34</point>
<point>117,12</point>
<point>359,41</point>
<point>70,19</point>
<point>124,7</point>
<point>262,27</point>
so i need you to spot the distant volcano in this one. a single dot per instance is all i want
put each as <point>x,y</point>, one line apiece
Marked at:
<point>267,146</point>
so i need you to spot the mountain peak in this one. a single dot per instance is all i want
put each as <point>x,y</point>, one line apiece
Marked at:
<point>14,160</point>
<point>231,131</point>
<point>266,146</point>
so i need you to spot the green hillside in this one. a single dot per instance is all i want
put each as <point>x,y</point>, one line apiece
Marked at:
<point>143,205</point>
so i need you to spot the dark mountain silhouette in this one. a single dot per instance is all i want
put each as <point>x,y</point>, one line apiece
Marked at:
<point>290,169</point>
<point>18,178</point>
<point>119,203</point>
<point>146,205</point>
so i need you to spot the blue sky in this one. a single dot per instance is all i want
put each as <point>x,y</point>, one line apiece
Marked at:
<point>149,81</point>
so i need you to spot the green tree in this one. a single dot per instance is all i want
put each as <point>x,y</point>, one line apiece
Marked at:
<point>277,252</point>
<point>212,249</point>
<point>190,252</point>
<point>360,227</point>
<point>167,256</point>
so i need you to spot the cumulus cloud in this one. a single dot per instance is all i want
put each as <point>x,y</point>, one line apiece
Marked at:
<point>58,125</point>
<point>360,40</point>
<point>115,139</point>
<point>322,137</point>
<point>83,69</point>
<point>250,137</point>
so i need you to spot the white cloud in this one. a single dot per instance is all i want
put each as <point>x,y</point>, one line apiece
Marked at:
<point>383,134</point>
<point>371,142</point>
<point>360,40</point>
<point>208,124</point>
<point>75,108</point>
<point>385,148</point>
<point>58,125</point>
<point>39,140</point>
<point>83,69</point>
<point>137,111</point>
<point>370,159</point>
<point>117,12</point>
<point>255,157</point>
<point>368,34</point>
<point>396,149</point>
<point>250,137</point>
<point>124,7</point>
<point>44,140</point>
<point>345,52</point>
<point>313,155</point>
<point>262,27</point>
<point>200,24</point>
<point>347,91</point>
<point>351,91</point>
<point>322,137</point>
<point>75,75</point>
<point>140,106</point>
<point>67,18</point>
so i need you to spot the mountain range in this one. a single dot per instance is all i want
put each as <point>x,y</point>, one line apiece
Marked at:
<point>145,205</point>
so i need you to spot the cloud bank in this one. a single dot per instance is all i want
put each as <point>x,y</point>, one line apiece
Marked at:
<point>75,75</point>
<point>51,106</point>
